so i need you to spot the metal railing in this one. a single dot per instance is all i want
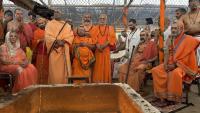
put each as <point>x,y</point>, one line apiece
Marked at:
<point>139,9</point>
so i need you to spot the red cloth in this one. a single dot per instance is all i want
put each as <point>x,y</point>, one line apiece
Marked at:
<point>33,26</point>
<point>28,75</point>
<point>25,36</point>
<point>150,50</point>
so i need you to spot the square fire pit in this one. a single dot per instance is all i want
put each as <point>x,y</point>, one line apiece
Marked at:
<point>87,98</point>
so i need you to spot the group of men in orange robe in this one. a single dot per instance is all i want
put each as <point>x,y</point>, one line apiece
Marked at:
<point>91,46</point>
<point>56,42</point>
<point>87,45</point>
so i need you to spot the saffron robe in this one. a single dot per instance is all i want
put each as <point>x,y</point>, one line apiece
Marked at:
<point>102,67</point>
<point>83,57</point>
<point>40,54</point>
<point>168,85</point>
<point>91,29</point>
<point>147,51</point>
<point>59,60</point>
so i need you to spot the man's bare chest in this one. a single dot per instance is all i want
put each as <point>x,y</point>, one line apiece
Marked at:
<point>192,24</point>
<point>192,20</point>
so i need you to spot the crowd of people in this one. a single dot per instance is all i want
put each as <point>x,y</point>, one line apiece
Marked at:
<point>49,51</point>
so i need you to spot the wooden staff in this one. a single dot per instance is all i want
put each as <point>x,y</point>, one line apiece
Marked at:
<point>55,41</point>
<point>66,66</point>
<point>129,63</point>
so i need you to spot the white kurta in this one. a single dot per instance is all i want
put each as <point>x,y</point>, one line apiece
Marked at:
<point>133,40</point>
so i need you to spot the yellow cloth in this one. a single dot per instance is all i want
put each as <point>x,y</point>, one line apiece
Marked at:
<point>29,54</point>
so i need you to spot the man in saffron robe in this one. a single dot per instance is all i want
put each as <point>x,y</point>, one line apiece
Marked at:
<point>139,62</point>
<point>151,50</point>
<point>40,52</point>
<point>58,49</point>
<point>24,30</point>
<point>180,65</point>
<point>106,41</point>
<point>88,26</point>
<point>83,55</point>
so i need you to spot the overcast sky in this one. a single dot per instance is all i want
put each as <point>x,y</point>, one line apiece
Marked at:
<point>118,2</point>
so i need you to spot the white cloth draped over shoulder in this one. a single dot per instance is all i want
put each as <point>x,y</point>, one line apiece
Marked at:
<point>133,40</point>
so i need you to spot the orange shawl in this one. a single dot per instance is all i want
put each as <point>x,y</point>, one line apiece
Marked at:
<point>83,54</point>
<point>184,51</point>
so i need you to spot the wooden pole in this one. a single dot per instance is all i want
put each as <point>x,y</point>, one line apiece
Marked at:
<point>129,65</point>
<point>162,25</point>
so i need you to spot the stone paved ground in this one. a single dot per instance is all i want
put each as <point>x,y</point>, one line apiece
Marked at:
<point>193,98</point>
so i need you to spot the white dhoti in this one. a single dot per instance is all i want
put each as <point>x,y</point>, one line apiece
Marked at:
<point>117,66</point>
<point>123,56</point>
<point>115,70</point>
<point>198,50</point>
